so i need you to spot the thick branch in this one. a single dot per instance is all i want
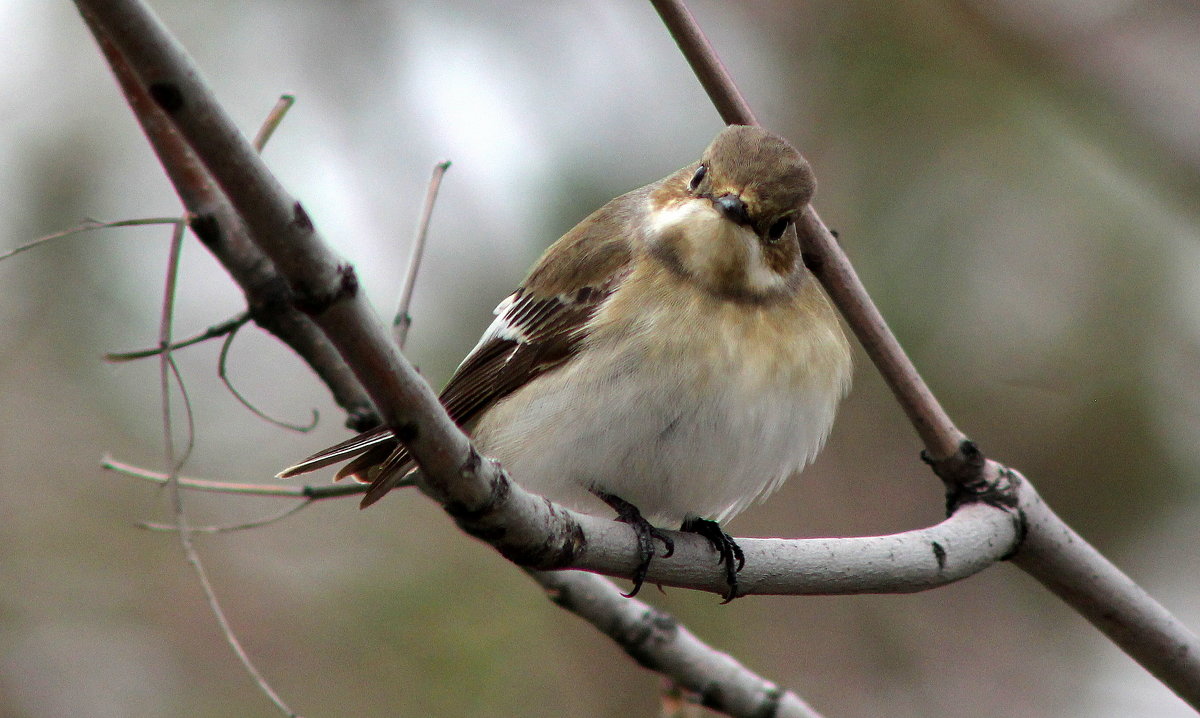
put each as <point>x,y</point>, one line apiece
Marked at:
<point>1078,574</point>
<point>657,641</point>
<point>974,538</point>
<point>218,226</point>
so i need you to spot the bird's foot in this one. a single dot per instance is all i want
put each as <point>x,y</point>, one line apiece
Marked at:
<point>728,552</point>
<point>646,533</point>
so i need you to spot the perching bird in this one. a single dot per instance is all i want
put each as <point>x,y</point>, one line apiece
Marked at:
<point>671,356</point>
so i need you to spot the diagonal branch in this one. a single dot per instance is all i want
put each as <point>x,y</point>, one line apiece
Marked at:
<point>1050,551</point>
<point>941,438</point>
<point>217,225</point>
<point>656,641</point>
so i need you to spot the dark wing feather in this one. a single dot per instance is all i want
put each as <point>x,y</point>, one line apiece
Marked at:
<point>531,337</point>
<point>339,452</point>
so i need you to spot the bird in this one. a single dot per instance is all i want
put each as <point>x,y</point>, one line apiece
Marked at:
<point>671,357</point>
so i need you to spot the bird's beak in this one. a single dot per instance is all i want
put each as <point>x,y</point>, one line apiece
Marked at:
<point>733,208</point>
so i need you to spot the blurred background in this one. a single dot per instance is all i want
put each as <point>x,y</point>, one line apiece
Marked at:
<point>1016,184</point>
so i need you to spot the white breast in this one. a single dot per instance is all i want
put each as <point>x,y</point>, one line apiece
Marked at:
<point>679,421</point>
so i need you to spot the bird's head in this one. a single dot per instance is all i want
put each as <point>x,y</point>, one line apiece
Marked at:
<point>723,221</point>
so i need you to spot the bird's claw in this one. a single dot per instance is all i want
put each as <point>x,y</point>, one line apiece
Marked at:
<point>728,552</point>
<point>646,534</point>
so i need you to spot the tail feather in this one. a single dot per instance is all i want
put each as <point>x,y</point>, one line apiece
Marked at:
<point>335,454</point>
<point>375,457</point>
<point>360,469</point>
<point>388,475</point>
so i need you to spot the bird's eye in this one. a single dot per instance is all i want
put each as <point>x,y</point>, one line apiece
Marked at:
<point>697,178</point>
<point>778,228</point>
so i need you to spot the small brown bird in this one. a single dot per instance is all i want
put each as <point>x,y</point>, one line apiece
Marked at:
<point>670,356</point>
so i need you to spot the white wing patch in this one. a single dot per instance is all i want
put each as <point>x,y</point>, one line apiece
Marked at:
<point>501,328</point>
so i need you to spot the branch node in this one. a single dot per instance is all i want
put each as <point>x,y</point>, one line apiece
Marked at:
<point>314,302</point>
<point>557,543</point>
<point>645,639</point>
<point>362,418</point>
<point>207,229</point>
<point>939,554</point>
<point>473,516</point>
<point>168,96</point>
<point>300,218</point>
<point>962,472</point>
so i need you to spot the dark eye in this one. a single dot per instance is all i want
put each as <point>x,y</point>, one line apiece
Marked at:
<point>697,178</point>
<point>776,230</point>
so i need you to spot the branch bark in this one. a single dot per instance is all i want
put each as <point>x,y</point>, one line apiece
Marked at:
<point>216,224</point>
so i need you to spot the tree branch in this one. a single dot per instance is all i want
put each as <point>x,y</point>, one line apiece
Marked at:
<point>216,224</point>
<point>658,642</point>
<point>403,320</point>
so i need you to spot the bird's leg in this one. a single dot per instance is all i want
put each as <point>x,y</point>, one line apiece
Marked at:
<point>646,533</point>
<point>727,550</point>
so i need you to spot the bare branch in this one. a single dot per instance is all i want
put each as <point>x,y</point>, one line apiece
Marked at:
<point>472,489</point>
<point>1089,583</point>
<point>403,319</point>
<point>270,124</point>
<point>1049,550</point>
<point>256,524</point>
<point>941,438</point>
<point>219,228</point>
<point>87,226</point>
<point>168,370</point>
<point>217,330</point>
<point>658,642</point>
<point>222,364</point>
<point>327,491</point>
<point>167,367</point>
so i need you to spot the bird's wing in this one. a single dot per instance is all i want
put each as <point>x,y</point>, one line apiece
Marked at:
<point>537,328</point>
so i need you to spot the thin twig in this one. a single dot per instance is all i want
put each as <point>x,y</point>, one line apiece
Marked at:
<point>403,319</point>
<point>224,376</point>
<point>273,120</point>
<point>87,226</point>
<point>217,330</point>
<point>258,523</point>
<point>168,368</point>
<point>330,491</point>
